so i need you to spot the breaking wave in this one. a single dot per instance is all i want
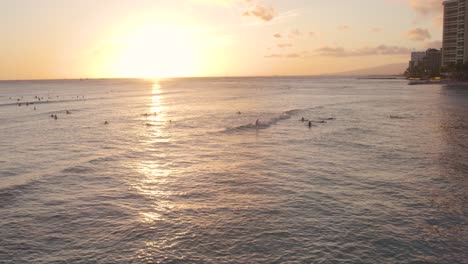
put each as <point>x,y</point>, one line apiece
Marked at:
<point>266,122</point>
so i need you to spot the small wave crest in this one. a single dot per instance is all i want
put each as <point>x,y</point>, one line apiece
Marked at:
<point>267,122</point>
<point>77,170</point>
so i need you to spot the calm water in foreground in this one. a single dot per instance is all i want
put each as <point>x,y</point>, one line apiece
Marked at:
<point>179,176</point>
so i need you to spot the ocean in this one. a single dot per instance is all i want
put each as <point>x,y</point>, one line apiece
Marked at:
<point>181,171</point>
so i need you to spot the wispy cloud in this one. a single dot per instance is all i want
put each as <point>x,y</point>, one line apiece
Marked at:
<point>344,27</point>
<point>285,56</point>
<point>436,44</point>
<point>274,56</point>
<point>250,8</point>
<point>277,35</point>
<point>262,12</point>
<point>426,7</point>
<point>418,34</point>
<point>295,33</point>
<point>293,55</point>
<point>365,51</point>
<point>284,45</point>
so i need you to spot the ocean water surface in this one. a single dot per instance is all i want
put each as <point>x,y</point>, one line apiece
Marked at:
<point>176,171</point>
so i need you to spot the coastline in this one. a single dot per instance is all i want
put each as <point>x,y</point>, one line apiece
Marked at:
<point>442,82</point>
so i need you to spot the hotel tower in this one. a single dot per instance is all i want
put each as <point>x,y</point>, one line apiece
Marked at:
<point>455,43</point>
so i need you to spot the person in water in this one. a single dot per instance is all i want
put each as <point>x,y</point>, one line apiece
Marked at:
<point>257,123</point>
<point>310,124</point>
<point>302,119</point>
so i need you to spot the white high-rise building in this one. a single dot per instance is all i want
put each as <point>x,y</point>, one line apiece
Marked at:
<point>455,44</point>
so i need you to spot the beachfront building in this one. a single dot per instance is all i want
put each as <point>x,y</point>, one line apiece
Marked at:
<point>455,44</point>
<point>433,61</point>
<point>416,58</point>
<point>426,63</point>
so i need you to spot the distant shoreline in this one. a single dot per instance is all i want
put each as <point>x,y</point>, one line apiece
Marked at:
<point>440,82</point>
<point>382,78</point>
<point>369,77</point>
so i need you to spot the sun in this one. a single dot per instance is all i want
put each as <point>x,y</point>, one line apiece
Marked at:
<point>156,51</point>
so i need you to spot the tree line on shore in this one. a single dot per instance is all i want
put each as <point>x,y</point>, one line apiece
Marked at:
<point>458,72</point>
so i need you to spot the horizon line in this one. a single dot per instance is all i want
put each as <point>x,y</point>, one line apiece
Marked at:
<point>200,77</point>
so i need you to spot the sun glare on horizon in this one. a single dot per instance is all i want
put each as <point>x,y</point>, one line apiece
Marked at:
<point>155,51</point>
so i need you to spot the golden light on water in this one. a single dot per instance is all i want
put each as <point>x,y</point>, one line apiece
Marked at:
<point>156,108</point>
<point>149,184</point>
<point>150,217</point>
<point>152,173</point>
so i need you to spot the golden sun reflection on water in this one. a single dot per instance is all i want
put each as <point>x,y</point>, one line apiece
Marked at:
<point>156,108</point>
<point>156,117</point>
<point>152,174</point>
<point>150,217</point>
<point>151,184</point>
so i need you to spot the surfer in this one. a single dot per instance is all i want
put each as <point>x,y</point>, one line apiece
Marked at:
<point>302,119</point>
<point>310,124</point>
<point>257,123</point>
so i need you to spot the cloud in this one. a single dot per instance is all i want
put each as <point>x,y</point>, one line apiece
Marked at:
<point>286,56</point>
<point>366,51</point>
<point>285,45</point>
<point>262,12</point>
<point>331,51</point>
<point>274,56</point>
<point>429,9</point>
<point>217,2</point>
<point>426,7</point>
<point>344,27</point>
<point>418,34</point>
<point>250,7</point>
<point>376,29</point>
<point>436,44</point>
<point>277,35</point>
<point>295,33</point>
<point>312,34</point>
<point>293,55</point>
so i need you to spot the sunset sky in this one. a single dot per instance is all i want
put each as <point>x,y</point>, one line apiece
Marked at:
<point>156,38</point>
